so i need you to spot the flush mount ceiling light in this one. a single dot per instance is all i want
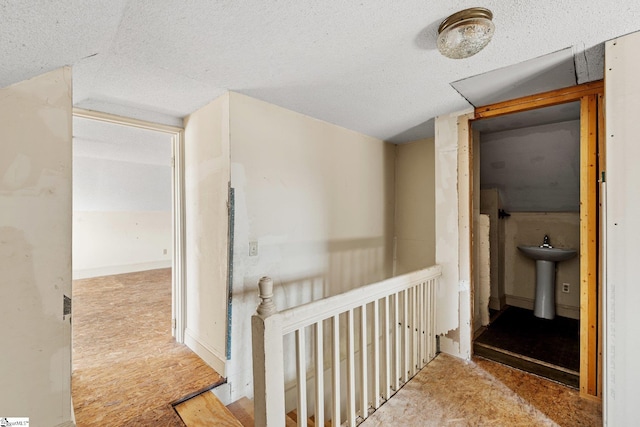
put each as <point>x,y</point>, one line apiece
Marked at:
<point>465,33</point>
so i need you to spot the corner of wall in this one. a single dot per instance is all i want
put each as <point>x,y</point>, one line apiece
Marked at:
<point>453,246</point>
<point>206,353</point>
<point>207,176</point>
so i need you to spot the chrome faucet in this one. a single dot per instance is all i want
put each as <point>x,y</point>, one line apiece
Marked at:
<point>545,243</point>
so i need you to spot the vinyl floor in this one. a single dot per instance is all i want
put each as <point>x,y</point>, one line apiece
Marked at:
<point>554,341</point>
<point>127,368</point>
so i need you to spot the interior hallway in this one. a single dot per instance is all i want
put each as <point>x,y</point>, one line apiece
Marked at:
<point>452,392</point>
<point>127,369</point>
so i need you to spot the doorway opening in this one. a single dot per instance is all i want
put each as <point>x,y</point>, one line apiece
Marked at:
<point>129,362</point>
<point>111,142</point>
<point>535,181</point>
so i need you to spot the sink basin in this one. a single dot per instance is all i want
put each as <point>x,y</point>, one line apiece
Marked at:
<point>547,254</point>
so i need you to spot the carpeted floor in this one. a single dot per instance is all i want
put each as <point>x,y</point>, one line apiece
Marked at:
<point>127,369</point>
<point>452,392</point>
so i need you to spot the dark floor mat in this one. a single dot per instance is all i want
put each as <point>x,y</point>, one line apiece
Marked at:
<point>554,341</point>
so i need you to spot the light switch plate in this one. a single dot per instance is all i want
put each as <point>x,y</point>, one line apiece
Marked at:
<point>253,248</point>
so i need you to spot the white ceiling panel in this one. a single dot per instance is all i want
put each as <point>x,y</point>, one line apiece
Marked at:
<point>553,71</point>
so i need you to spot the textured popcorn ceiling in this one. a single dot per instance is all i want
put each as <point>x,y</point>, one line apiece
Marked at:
<point>368,66</point>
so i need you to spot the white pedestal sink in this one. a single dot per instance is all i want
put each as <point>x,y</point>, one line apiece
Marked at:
<point>546,258</point>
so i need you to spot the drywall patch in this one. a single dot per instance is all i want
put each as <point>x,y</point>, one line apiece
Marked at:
<point>484,266</point>
<point>453,334</point>
<point>18,172</point>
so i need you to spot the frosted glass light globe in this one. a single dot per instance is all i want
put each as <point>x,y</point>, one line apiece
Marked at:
<point>465,33</point>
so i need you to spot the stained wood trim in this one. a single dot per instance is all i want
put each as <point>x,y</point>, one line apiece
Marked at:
<point>545,99</point>
<point>601,179</point>
<point>592,135</point>
<point>588,245</point>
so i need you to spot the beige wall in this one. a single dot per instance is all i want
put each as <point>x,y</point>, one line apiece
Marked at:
<point>206,160</point>
<point>35,249</point>
<point>414,209</point>
<point>622,222</point>
<point>529,229</point>
<point>317,199</point>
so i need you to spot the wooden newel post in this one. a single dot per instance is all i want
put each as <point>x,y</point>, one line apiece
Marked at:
<point>266,307</point>
<point>268,365</point>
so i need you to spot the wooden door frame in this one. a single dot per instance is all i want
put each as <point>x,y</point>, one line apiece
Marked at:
<point>178,300</point>
<point>591,98</point>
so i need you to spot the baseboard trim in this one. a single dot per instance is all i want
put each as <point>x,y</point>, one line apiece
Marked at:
<point>67,424</point>
<point>205,352</point>
<point>110,270</point>
<point>496,303</point>
<point>528,304</point>
<point>223,393</point>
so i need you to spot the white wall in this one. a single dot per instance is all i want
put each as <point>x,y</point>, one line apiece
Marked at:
<point>206,162</point>
<point>622,293</point>
<point>414,210</point>
<point>535,169</point>
<point>35,249</point>
<point>121,200</point>
<point>318,199</point>
<point>106,243</point>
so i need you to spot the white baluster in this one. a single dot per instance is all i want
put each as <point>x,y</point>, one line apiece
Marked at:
<point>301,377</point>
<point>335,370</point>
<point>376,355</point>
<point>415,330</point>
<point>423,324</point>
<point>387,336</point>
<point>432,313</point>
<point>397,335</point>
<point>364,366</point>
<point>319,371</point>
<point>430,337</point>
<point>419,325</point>
<point>351,374</point>
<point>406,336</point>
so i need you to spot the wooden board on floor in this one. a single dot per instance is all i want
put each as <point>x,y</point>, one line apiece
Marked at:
<point>242,409</point>
<point>206,410</point>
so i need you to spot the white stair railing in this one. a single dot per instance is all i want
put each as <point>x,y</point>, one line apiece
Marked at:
<point>382,334</point>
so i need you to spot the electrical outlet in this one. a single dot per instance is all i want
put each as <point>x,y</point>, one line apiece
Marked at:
<point>253,248</point>
<point>164,252</point>
<point>565,288</point>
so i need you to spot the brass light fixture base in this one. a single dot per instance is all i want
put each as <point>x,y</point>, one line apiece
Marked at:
<point>465,33</point>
